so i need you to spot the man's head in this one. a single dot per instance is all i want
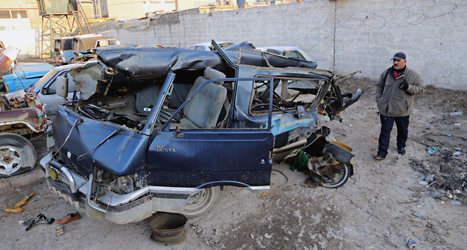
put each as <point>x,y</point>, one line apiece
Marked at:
<point>399,60</point>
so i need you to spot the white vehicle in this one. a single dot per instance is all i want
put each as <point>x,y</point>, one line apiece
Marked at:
<point>288,51</point>
<point>208,47</point>
<point>45,88</point>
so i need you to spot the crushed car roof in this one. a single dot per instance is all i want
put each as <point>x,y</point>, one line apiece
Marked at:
<point>127,70</point>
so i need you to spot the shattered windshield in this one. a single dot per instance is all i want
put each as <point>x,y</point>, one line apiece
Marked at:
<point>291,95</point>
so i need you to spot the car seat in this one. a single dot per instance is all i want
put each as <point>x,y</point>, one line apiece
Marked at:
<point>204,108</point>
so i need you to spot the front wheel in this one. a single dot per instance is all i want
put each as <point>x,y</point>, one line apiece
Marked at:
<point>17,155</point>
<point>201,202</point>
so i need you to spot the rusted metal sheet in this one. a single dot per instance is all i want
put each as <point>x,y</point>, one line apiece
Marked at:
<point>7,58</point>
<point>29,117</point>
<point>86,79</point>
<point>29,100</point>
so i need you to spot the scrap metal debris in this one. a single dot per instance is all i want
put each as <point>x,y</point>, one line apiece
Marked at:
<point>18,205</point>
<point>411,244</point>
<point>446,177</point>
<point>59,230</point>
<point>7,58</point>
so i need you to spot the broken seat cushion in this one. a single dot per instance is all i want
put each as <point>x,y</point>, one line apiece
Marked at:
<point>204,109</point>
<point>147,98</point>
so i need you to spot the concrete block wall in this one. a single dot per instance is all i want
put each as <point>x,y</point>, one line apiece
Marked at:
<point>431,33</point>
<point>309,25</point>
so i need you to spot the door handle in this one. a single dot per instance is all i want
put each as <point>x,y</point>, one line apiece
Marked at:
<point>178,134</point>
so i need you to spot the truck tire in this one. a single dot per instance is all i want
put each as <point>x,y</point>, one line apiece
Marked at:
<point>201,202</point>
<point>17,155</point>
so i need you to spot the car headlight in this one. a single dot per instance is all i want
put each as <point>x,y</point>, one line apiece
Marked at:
<point>125,184</point>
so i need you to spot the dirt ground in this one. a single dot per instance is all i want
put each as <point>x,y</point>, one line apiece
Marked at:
<point>419,197</point>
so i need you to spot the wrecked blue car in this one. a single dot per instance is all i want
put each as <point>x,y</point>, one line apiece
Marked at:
<point>166,129</point>
<point>23,75</point>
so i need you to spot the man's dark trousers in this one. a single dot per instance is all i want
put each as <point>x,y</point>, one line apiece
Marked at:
<point>387,123</point>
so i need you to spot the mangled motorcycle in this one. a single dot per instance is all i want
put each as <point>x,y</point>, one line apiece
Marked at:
<point>165,129</point>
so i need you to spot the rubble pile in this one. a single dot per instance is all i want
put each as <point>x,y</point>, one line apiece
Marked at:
<point>446,177</point>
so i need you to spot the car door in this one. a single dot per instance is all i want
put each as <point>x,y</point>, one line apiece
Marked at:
<point>50,99</point>
<point>201,157</point>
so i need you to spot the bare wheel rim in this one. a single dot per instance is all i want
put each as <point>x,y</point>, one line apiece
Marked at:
<point>198,200</point>
<point>11,160</point>
<point>334,175</point>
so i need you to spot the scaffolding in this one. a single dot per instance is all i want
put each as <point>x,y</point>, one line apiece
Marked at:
<point>60,18</point>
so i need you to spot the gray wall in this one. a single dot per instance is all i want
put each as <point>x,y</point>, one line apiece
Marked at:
<point>342,35</point>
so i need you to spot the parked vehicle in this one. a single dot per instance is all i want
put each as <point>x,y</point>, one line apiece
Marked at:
<point>149,45</point>
<point>63,49</point>
<point>85,43</point>
<point>46,89</point>
<point>18,76</point>
<point>67,49</point>
<point>19,116</point>
<point>24,75</point>
<point>288,51</point>
<point>17,154</point>
<point>135,144</point>
<point>208,47</point>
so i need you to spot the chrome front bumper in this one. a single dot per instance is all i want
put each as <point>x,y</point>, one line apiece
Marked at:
<point>121,209</point>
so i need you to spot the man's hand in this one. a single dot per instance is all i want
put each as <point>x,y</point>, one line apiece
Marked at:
<point>404,85</point>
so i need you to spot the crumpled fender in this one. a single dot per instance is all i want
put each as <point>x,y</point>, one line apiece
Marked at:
<point>31,117</point>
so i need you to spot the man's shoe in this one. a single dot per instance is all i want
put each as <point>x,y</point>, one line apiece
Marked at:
<point>379,157</point>
<point>69,218</point>
<point>401,151</point>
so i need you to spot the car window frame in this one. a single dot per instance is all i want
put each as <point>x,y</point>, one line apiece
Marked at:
<point>300,56</point>
<point>52,82</point>
<point>256,114</point>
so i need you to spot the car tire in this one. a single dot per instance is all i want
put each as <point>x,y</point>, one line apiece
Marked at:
<point>17,155</point>
<point>340,179</point>
<point>201,202</point>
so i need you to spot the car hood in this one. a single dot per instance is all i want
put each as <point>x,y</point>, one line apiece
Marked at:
<point>32,70</point>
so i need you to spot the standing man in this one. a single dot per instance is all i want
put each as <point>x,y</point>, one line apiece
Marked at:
<point>395,90</point>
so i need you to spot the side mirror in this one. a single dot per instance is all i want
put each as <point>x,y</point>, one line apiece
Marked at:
<point>62,86</point>
<point>44,91</point>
